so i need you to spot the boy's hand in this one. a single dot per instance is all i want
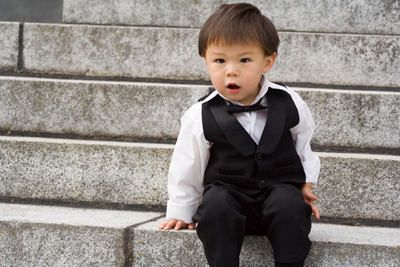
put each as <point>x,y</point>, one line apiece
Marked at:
<point>176,225</point>
<point>309,198</point>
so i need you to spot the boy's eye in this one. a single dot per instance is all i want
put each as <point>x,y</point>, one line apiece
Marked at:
<point>245,60</point>
<point>220,60</point>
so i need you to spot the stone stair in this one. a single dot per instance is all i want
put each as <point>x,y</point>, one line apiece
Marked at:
<point>90,110</point>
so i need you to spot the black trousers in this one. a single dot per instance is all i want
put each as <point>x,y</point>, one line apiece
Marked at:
<point>226,215</point>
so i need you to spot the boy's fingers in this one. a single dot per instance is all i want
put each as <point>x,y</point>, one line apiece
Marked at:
<point>162,225</point>
<point>312,197</point>
<point>180,225</point>
<point>169,224</point>
<point>309,195</point>
<point>315,211</point>
<point>176,225</point>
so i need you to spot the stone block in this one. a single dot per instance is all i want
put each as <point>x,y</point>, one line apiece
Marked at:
<point>359,186</point>
<point>54,236</point>
<point>139,13</point>
<point>9,43</point>
<point>141,111</point>
<point>336,245</point>
<point>354,119</point>
<point>168,53</point>
<point>171,53</point>
<point>84,171</point>
<point>351,185</point>
<point>125,110</point>
<point>338,59</point>
<point>347,16</point>
<point>333,245</point>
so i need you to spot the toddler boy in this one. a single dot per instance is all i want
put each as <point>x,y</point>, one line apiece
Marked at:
<point>242,162</point>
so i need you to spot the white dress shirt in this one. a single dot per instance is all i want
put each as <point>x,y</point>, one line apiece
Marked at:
<point>191,153</point>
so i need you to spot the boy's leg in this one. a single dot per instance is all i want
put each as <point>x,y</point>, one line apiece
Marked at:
<point>287,220</point>
<point>221,225</point>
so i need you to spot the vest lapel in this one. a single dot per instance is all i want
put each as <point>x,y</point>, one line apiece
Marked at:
<point>231,128</point>
<point>275,123</point>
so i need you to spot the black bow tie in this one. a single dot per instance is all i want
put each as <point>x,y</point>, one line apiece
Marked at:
<point>232,108</point>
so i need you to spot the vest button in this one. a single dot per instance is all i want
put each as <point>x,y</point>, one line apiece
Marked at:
<point>259,155</point>
<point>261,182</point>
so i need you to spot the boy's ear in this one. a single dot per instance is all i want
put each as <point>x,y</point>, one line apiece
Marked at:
<point>269,62</point>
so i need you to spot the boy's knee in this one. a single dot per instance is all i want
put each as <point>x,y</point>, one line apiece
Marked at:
<point>218,204</point>
<point>285,202</point>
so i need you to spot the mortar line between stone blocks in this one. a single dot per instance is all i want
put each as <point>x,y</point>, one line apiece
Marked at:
<point>20,47</point>
<point>144,222</point>
<point>128,247</point>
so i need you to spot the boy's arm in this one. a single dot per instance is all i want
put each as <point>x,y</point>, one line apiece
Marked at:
<point>302,134</point>
<point>185,176</point>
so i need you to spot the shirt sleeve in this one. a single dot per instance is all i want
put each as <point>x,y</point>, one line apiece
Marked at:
<point>188,164</point>
<point>302,134</point>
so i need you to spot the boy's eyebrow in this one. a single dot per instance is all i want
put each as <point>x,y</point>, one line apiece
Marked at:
<point>246,53</point>
<point>224,54</point>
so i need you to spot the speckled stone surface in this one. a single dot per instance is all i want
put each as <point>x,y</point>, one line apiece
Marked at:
<point>350,185</point>
<point>54,236</point>
<point>305,15</point>
<point>136,12</point>
<point>339,245</point>
<point>338,59</point>
<point>346,118</point>
<point>153,247</point>
<point>138,111</point>
<point>91,108</point>
<point>333,245</point>
<point>344,16</point>
<point>26,244</point>
<point>359,186</point>
<point>334,59</point>
<point>34,235</point>
<point>9,38</point>
<point>69,170</point>
<point>145,52</point>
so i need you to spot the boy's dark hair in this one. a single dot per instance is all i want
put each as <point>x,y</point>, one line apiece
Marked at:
<point>239,24</point>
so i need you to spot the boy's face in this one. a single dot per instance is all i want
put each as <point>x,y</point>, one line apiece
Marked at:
<point>236,70</point>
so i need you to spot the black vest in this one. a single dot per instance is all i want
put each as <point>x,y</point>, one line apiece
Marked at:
<point>235,158</point>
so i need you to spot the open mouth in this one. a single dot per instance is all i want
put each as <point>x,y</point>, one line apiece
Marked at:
<point>233,86</point>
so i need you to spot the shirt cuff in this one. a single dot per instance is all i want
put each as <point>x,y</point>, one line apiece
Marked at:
<point>312,168</point>
<point>182,212</point>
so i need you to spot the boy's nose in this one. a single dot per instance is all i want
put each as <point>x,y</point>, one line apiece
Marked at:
<point>231,70</point>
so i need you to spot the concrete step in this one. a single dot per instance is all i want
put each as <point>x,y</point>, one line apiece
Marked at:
<point>38,236</point>
<point>353,186</point>
<point>171,53</point>
<point>344,118</point>
<point>54,236</point>
<point>9,42</point>
<point>333,245</point>
<point>84,171</point>
<point>95,108</point>
<point>317,16</point>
